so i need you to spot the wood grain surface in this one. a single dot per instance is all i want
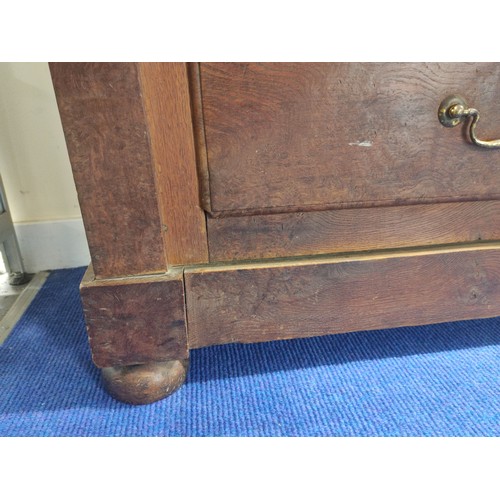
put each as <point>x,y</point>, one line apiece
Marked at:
<point>294,136</point>
<point>135,320</point>
<point>166,94</point>
<point>351,230</point>
<point>107,137</point>
<point>199,133</point>
<point>305,298</point>
<point>144,384</point>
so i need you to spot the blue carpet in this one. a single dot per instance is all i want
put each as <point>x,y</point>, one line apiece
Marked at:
<point>440,380</point>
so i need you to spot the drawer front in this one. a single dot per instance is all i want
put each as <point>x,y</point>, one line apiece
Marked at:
<point>309,136</point>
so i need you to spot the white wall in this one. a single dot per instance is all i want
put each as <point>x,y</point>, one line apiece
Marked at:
<point>36,172</point>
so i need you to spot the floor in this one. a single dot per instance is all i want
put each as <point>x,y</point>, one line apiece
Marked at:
<point>14,300</point>
<point>8,294</point>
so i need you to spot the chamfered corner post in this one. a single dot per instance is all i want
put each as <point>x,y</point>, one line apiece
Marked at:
<point>126,162</point>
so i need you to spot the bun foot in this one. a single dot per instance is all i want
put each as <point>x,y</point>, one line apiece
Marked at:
<point>143,384</point>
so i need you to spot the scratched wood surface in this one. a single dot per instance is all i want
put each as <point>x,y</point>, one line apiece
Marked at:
<point>135,320</point>
<point>166,95</point>
<point>261,302</point>
<point>290,136</point>
<point>107,138</point>
<point>351,230</point>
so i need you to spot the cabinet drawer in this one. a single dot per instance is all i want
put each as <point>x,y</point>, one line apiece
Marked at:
<point>309,136</point>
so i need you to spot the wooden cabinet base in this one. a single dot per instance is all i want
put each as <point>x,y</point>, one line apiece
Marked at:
<point>140,338</point>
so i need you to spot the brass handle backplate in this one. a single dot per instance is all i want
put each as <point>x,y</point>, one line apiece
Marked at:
<point>453,111</point>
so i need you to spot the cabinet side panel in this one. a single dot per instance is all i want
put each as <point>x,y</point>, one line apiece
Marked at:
<point>107,139</point>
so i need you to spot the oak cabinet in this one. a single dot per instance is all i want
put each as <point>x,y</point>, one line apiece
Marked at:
<point>247,202</point>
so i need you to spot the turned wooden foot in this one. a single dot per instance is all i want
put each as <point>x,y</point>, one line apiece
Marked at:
<point>143,384</point>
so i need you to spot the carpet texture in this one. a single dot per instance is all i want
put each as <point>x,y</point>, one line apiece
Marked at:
<point>440,380</point>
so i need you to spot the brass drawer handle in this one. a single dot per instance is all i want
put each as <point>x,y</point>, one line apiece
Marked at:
<point>453,110</point>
